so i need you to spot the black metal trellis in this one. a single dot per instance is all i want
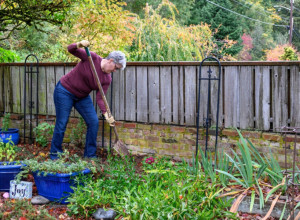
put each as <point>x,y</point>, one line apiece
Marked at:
<point>292,186</point>
<point>102,118</point>
<point>207,120</point>
<point>28,75</point>
<point>111,109</point>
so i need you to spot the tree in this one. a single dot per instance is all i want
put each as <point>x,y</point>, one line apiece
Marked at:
<point>159,38</point>
<point>248,45</point>
<point>103,22</point>
<point>17,15</point>
<point>228,24</point>
<point>289,54</point>
<point>44,44</point>
<point>184,8</point>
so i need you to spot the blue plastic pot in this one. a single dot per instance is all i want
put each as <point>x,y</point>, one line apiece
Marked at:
<point>13,133</point>
<point>56,187</point>
<point>8,172</point>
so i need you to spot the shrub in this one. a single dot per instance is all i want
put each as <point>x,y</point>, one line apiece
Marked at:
<point>43,132</point>
<point>7,56</point>
<point>78,133</point>
<point>7,151</point>
<point>6,122</point>
<point>289,54</point>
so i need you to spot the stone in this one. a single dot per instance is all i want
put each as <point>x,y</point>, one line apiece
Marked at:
<point>105,215</point>
<point>39,200</point>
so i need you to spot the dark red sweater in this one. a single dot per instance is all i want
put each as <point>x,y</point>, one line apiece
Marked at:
<point>80,80</point>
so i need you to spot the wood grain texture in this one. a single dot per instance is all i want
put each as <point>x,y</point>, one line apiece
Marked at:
<point>142,94</point>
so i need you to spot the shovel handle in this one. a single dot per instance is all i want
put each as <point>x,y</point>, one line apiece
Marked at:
<point>100,88</point>
<point>98,81</point>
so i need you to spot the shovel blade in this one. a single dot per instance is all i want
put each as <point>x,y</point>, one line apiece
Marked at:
<point>121,148</point>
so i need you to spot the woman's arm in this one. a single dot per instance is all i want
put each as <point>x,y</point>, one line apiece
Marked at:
<point>77,52</point>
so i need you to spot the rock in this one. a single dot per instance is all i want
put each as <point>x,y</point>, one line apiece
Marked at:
<point>39,200</point>
<point>105,215</point>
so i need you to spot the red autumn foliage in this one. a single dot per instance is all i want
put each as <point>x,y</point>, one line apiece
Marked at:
<point>248,45</point>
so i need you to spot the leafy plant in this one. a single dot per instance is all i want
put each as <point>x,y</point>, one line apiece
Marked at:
<point>7,151</point>
<point>65,164</point>
<point>7,56</point>
<point>244,165</point>
<point>6,122</point>
<point>194,168</point>
<point>289,54</point>
<point>250,167</point>
<point>208,166</point>
<point>23,209</point>
<point>78,133</point>
<point>43,132</point>
<point>223,164</point>
<point>273,169</point>
<point>165,190</point>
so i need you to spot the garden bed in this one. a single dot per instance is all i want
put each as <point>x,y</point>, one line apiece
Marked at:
<point>156,186</point>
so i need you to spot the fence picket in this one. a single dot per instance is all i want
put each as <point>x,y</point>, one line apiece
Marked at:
<point>51,82</point>
<point>203,94</point>
<point>262,97</point>
<point>130,94</point>
<point>295,96</point>
<point>231,96</point>
<point>142,95</point>
<point>42,90</point>
<point>190,95</point>
<point>280,98</point>
<point>246,97</point>
<point>165,94</point>
<point>15,89</point>
<point>175,94</point>
<point>214,96</point>
<point>2,91</point>
<point>154,113</point>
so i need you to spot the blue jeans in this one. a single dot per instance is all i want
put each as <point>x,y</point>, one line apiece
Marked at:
<point>64,101</point>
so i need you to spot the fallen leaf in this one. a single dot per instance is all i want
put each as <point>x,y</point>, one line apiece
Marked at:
<point>237,202</point>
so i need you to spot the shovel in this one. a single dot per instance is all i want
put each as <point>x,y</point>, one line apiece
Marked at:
<point>119,147</point>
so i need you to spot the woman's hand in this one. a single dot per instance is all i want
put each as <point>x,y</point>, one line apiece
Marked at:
<point>110,120</point>
<point>83,43</point>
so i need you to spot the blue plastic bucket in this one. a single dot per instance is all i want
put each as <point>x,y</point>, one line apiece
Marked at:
<point>7,173</point>
<point>13,133</point>
<point>56,187</point>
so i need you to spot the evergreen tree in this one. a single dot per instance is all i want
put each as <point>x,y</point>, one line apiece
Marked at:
<point>227,23</point>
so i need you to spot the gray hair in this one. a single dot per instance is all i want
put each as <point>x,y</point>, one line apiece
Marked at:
<point>118,58</point>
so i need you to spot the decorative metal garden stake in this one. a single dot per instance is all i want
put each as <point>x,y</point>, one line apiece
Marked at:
<point>292,187</point>
<point>28,72</point>
<point>207,120</point>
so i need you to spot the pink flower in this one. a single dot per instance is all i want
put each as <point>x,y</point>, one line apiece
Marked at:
<point>149,160</point>
<point>6,195</point>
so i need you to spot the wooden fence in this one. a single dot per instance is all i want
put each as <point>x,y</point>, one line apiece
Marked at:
<point>254,95</point>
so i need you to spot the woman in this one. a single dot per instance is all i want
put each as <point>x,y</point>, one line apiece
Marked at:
<point>74,88</point>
